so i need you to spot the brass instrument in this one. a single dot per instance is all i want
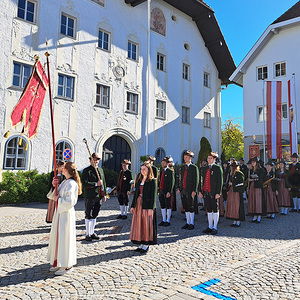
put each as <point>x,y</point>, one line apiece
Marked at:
<point>266,183</point>
<point>94,165</point>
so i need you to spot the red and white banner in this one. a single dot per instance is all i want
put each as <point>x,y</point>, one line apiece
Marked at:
<point>292,119</point>
<point>274,146</point>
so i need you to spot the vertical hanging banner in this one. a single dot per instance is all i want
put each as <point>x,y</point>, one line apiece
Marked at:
<point>273,95</point>
<point>29,107</point>
<point>292,119</point>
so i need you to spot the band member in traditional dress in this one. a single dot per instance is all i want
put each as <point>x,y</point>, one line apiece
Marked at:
<point>51,204</point>
<point>93,180</point>
<point>211,192</point>
<point>144,227</point>
<point>256,205</point>
<point>282,192</point>
<point>235,201</point>
<point>188,186</point>
<point>203,163</point>
<point>293,182</point>
<point>226,174</point>
<point>154,167</point>
<point>269,191</point>
<point>176,176</point>
<point>123,188</point>
<point>243,167</point>
<point>62,243</point>
<point>165,188</point>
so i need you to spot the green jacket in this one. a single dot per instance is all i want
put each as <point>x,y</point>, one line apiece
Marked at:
<point>238,182</point>
<point>155,171</point>
<point>149,194</point>
<point>192,179</point>
<point>216,179</point>
<point>169,180</point>
<point>89,178</point>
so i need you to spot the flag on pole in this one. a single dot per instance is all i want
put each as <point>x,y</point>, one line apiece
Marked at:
<point>292,119</point>
<point>274,146</point>
<point>28,109</point>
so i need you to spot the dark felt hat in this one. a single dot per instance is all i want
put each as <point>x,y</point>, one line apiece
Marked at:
<point>189,153</point>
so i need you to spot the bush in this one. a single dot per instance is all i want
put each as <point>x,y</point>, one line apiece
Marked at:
<point>205,149</point>
<point>111,177</point>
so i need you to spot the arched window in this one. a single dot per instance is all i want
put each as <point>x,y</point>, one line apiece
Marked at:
<point>15,156</point>
<point>160,153</point>
<point>182,156</point>
<point>61,146</point>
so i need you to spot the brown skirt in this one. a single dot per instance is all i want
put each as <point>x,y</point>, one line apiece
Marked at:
<point>284,198</point>
<point>272,205</point>
<point>234,206</point>
<point>255,201</point>
<point>143,226</point>
<point>50,211</point>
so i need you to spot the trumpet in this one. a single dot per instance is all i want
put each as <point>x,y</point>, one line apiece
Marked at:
<point>266,183</point>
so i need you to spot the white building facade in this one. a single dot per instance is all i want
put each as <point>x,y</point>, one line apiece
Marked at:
<point>274,57</point>
<point>99,58</point>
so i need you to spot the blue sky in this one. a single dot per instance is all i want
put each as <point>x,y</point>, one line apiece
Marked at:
<point>242,23</point>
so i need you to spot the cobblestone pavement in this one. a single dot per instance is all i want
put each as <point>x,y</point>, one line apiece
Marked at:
<point>255,261</point>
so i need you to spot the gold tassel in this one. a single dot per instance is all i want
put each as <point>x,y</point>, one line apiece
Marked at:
<point>26,147</point>
<point>6,134</point>
<point>20,141</point>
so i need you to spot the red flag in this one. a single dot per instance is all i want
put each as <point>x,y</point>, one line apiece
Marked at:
<point>274,145</point>
<point>29,107</point>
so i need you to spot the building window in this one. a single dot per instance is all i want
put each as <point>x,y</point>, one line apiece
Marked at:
<point>132,51</point>
<point>206,77</point>
<point>60,148</point>
<point>186,115</point>
<point>15,155</point>
<point>160,153</point>
<point>161,62</point>
<point>160,109</point>
<point>186,72</point>
<point>104,40</point>
<point>21,74</point>
<point>280,69</point>
<point>284,112</point>
<point>262,73</point>
<point>260,115</point>
<point>65,86</point>
<point>207,120</point>
<point>67,26</point>
<point>26,10</point>
<point>132,103</point>
<point>103,95</point>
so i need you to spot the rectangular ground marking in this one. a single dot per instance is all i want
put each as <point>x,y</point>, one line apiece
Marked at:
<point>202,288</point>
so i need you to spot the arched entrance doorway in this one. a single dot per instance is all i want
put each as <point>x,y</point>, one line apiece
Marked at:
<point>115,149</point>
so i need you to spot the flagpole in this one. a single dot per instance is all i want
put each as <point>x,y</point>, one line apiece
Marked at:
<point>52,121</point>
<point>295,114</point>
<point>264,121</point>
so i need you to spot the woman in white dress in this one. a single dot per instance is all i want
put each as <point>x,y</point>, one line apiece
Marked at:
<point>62,244</point>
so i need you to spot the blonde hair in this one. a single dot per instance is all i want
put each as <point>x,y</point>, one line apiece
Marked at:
<point>150,174</point>
<point>71,168</point>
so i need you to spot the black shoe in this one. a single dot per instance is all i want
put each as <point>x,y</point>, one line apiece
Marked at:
<point>253,221</point>
<point>143,251</point>
<point>138,249</point>
<point>238,225</point>
<point>214,232</point>
<point>88,238</point>
<point>124,217</point>
<point>257,221</point>
<point>191,227</point>
<point>166,224</point>
<point>185,226</point>
<point>119,217</point>
<point>207,230</point>
<point>162,223</point>
<point>293,210</point>
<point>202,208</point>
<point>94,236</point>
<point>232,225</point>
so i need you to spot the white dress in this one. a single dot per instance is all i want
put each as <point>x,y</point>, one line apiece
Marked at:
<point>63,229</point>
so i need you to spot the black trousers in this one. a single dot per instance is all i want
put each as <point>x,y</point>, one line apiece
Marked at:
<point>210,203</point>
<point>123,198</point>
<point>164,201</point>
<point>188,202</point>
<point>92,207</point>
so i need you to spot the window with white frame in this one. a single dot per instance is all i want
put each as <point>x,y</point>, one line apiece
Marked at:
<point>160,153</point>
<point>186,115</point>
<point>284,111</point>
<point>186,72</point>
<point>207,120</point>
<point>104,40</point>
<point>160,109</point>
<point>103,95</point>
<point>132,103</point>
<point>15,157</point>
<point>280,69</point>
<point>161,62</point>
<point>65,86</point>
<point>262,72</point>
<point>206,79</point>
<point>21,74</point>
<point>132,50</point>
<point>26,10</point>
<point>61,146</point>
<point>261,118</point>
<point>67,26</point>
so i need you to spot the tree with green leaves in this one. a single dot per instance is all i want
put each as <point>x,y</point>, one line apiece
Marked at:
<point>232,139</point>
<point>205,149</point>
